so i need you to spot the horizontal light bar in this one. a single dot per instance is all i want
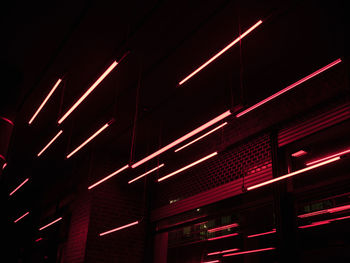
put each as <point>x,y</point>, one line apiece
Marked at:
<point>328,157</point>
<point>325,211</point>
<point>299,153</point>
<point>289,87</point>
<point>320,223</point>
<point>340,218</point>
<point>221,52</point>
<point>88,140</point>
<point>39,239</point>
<point>146,173</point>
<point>222,252</point>
<point>293,173</point>
<point>212,261</point>
<point>27,213</point>
<point>7,120</point>
<point>50,142</point>
<point>119,228</point>
<point>222,227</point>
<point>221,237</point>
<point>45,100</point>
<point>188,166</point>
<point>201,137</point>
<point>18,187</point>
<point>183,138</point>
<point>49,224</point>
<point>87,93</point>
<point>249,252</point>
<point>109,176</point>
<point>262,234</point>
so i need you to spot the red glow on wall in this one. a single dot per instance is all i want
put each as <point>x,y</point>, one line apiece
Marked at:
<point>146,173</point>
<point>201,137</point>
<point>187,166</point>
<point>50,142</point>
<point>109,176</point>
<point>45,100</point>
<point>27,213</point>
<point>289,87</point>
<point>328,157</point>
<point>89,90</point>
<point>221,237</point>
<point>49,224</point>
<point>299,153</point>
<point>7,120</point>
<point>88,140</point>
<point>119,228</point>
<point>262,234</point>
<point>223,227</point>
<point>222,252</point>
<point>293,173</point>
<point>221,52</point>
<point>183,138</point>
<point>249,252</point>
<point>325,211</point>
<point>18,187</point>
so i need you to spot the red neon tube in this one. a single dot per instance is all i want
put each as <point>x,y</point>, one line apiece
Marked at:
<point>262,234</point>
<point>109,176</point>
<point>212,261</point>
<point>249,252</point>
<point>45,100</point>
<point>49,224</point>
<point>289,87</point>
<point>293,173</point>
<point>328,157</point>
<point>21,217</point>
<point>87,93</point>
<point>119,228</point>
<point>299,153</point>
<point>222,227</point>
<point>7,120</point>
<point>201,137</point>
<point>221,52</point>
<point>325,211</point>
<point>222,252</point>
<point>50,142</point>
<point>320,223</point>
<point>188,166</point>
<point>146,173</point>
<point>18,187</point>
<point>4,165</point>
<point>88,140</point>
<point>2,157</point>
<point>183,138</point>
<point>221,237</point>
<point>39,239</point>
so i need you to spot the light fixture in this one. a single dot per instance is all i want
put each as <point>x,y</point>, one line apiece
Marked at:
<point>188,166</point>
<point>39,239</point>
<point>298,153</point>
<point>119,228</point>
<point>25,214</point>
<point>88,140</point>
<point>222,252</point>
<point>183,138</point>
<point>262,234</point>
<point>18,187</point>
<point>328,157</point>
<point>45,100</point>
<point>289,88</point>
<point>50,142</point>
<point>319,223</point>
<point>326,211</point>
<point>109,176</point>
<point>249,252</point>
<point>146,173</point>
<point>293,173</point>
<point>211,261</point>
<point>49,224</point>
<point>2,157</point>
<point>222,227</point>
<point>221,237</point>
<point>7,120</point>
<point>221,52</point>
<point>201,137</point>
<point>4,165</point>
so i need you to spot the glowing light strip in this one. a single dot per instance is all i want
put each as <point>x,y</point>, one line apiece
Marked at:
<point>225,236</point>
<point>201,137</point>
<point>7,120</point>
<point>325,211</point>
<point>249,252</point>
<point>39,239</point>
<point>188,166</point>
<point>88,140</point>
<point>119,228</point>
<point>293,173</point>
<point>49,224</point>
<point>262,234</point>
<point>48,145</point>
<point>222,252</point>
<point>212,261</point>
<point>45,100</point>
<point>18,187</point>
<point>109,176</point>
<point>4,165</point>
<point>87,93</point>
<point>27,213</point>
<point>328,157</point>
<point>2,157</point>
<point>320,223</point>
<point>340,218</point>
<point>222,227</point>
<point>142,175</point>
<point>183,138</point>
<point>221,52</point>
<point>299,153</point>
<point>289,88</point>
